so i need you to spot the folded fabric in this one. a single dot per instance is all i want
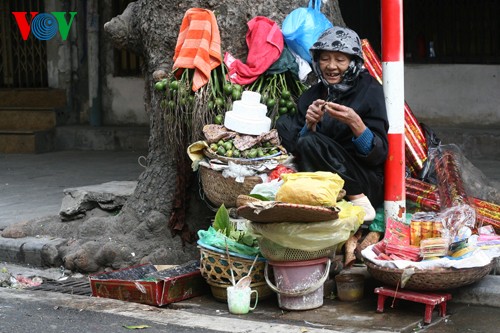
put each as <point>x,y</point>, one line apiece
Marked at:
<point>265,44</point>
<point>198,45</point>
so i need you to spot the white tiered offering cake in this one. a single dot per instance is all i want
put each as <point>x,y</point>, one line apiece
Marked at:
<point>248,115</point>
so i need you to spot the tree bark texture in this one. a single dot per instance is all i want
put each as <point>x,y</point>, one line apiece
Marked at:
<point>151,28</point>
<point>158,223</point>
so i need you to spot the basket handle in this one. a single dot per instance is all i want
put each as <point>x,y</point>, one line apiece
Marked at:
<point>302,292</point>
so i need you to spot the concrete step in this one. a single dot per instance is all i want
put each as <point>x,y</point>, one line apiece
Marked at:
<point>26,142</point>
<point>475,142</point>
<point>27,118</point>
<point>39,98</point>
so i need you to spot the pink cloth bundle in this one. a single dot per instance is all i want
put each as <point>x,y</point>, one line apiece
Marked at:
<point>265,43</point>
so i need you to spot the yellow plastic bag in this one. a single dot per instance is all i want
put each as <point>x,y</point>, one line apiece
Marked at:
<point>195,153</point>
<point>310,188</point>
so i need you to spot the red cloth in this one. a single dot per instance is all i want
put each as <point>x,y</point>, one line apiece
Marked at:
<point>265,43</point>
<point>198,45</point>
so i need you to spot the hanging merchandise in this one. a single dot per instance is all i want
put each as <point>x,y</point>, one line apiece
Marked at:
<point>265,44</point>
<point>198,45</point>
<point>302,27</point>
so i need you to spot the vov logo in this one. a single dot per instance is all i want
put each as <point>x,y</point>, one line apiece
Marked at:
<point>44,26</point>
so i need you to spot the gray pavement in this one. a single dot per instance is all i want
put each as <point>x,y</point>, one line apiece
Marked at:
<point>62,312</point>
<point>31,185</point>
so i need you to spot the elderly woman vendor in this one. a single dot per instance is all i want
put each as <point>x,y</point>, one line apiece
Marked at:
<point>341,124</point>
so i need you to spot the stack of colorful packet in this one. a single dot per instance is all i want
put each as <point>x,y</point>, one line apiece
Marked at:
<point>434,247</point>
<point>403,252</point>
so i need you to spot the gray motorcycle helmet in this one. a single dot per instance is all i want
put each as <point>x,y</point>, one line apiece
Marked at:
<point>343,40</point>
<point>339,39</point>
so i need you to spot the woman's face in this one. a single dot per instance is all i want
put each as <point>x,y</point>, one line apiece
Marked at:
<point>333,64</point>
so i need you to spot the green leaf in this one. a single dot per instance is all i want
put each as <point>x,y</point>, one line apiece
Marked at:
<point>235,234</point>
<point>258,196</point>
<point>248,239</point>
<point>222,222</point>
<point>135,327</point>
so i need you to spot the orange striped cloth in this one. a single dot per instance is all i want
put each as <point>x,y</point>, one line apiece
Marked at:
<point>198,45</point>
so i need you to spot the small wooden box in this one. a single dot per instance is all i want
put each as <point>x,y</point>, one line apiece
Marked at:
<point>148,285</point>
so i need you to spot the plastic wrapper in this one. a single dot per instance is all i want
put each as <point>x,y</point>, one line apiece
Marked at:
<point>475,183</point>
<point>456,218</point>
<point>278,171</point>
<point>238,171</point>
<point>303,26</point>
<point>450,184</point>
<point>313,236</point>
<point>310,188</point>
<point>378,224</point>
<point>423,225</point>
<point>434,247</point>
<point>425,196</point>
<point>268,189</point>
<point>483,220</point>
<point>216,239</point>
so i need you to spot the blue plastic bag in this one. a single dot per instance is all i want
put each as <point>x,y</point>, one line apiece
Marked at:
<point>302,28</point>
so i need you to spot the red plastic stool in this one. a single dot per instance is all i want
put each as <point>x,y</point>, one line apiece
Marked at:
<point>429,299</point>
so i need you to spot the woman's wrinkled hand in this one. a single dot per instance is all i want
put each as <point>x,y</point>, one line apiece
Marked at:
<point>315,113</point>
<point>347,116</point>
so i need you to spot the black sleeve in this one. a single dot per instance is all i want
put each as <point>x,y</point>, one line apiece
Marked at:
<point>289,125</point>
<point>374,116</point>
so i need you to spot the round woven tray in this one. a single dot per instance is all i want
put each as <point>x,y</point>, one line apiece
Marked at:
<point>429,280</point>
<point>220,190</point>
<point>244,161</point>
<point>287,212</point>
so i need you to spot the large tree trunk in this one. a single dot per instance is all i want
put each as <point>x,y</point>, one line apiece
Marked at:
<point>150,28</point>
<point>152,226</point>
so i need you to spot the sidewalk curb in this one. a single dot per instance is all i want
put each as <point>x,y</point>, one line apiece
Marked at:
<point>484,292</point>
<point>42,252</point>
<point>33,251</point>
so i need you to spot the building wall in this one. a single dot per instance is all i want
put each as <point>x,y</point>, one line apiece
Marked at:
<point>126,102</point>
<point>439,94</point>
<point>444,94</point>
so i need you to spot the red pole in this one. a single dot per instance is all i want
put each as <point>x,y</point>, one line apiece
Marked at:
<point>393,83</point>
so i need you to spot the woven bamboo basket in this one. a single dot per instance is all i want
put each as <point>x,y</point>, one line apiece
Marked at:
<point>275,252</point>
<point>214,266</point>
<point>220,190</point>
<point>429,280</point>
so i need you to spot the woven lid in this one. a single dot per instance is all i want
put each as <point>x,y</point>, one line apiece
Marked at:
<point>273,211</point>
